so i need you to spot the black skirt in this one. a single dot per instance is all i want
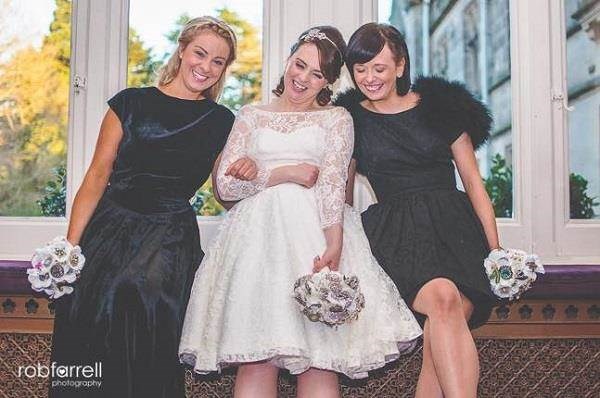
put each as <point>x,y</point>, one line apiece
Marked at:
<point>420,236</point>
<point>126,311</point>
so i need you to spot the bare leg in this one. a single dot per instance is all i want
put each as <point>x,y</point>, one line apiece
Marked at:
<point>451,345</point>
<point>428,385</point>
<point>256,380</point>
<point>317,383</point>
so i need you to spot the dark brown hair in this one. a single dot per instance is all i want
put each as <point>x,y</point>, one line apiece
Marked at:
<point>369,40</point>
<point>331,58</point>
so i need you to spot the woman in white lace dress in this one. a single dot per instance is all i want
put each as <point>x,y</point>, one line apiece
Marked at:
<point>291,220</point>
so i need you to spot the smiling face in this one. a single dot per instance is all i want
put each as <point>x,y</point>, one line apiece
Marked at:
<point>377,78</point>
<point>203,62</point>
<point>303,78</point>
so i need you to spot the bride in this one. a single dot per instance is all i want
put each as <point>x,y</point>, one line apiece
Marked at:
<point>291,220</point>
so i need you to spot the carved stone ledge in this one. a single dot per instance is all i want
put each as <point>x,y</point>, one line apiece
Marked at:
<point>26,314</point>
<point>543,318</point>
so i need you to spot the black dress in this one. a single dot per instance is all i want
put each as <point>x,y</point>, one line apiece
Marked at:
<point>142,249</point>
<point>423,227</point>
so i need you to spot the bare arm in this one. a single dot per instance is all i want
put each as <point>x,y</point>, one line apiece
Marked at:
<point>464,156</point>
<point>96,178</point>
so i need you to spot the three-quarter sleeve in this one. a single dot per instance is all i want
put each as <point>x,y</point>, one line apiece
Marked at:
<point>237,146</point>
<point>331,184</point>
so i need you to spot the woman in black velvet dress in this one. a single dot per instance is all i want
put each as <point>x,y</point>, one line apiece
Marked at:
<point>429,237</point>
<point>134,223</point>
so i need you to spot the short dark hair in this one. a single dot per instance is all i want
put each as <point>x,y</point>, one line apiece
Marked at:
<point>331,57</point>
<point>369,40</point>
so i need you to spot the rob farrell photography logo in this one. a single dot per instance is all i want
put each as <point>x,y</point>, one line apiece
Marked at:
<point>74,376</point>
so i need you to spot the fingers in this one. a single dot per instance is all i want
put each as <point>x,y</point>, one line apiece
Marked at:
<point>318,264</point>
<point>334,266</point>
<point>246,166</point>
<point>242,169</point>
<point>233,168</point>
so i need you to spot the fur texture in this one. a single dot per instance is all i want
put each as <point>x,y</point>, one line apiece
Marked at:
<point>448,107</point>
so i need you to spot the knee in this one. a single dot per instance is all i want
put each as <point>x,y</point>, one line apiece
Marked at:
<point>262,370</point>
<point>444,300</point>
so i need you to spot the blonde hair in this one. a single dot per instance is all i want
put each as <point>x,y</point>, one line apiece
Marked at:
<point>191,29</point>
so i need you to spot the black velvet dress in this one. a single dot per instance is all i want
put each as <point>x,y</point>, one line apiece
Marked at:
<point>423,227</point>
<point>142,249</point>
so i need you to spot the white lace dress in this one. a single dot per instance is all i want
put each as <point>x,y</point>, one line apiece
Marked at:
<point>241,308</point>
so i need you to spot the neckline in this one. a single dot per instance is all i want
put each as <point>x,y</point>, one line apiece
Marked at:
<point>162,93</point>
<point>293,112</point>
<point>389,114</point>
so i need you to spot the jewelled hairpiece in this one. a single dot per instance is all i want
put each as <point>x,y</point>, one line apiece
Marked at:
<point>316,34</point>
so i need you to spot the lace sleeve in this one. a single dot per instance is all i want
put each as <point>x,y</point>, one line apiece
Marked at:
<point>230,188</point>
<point>331,185</point>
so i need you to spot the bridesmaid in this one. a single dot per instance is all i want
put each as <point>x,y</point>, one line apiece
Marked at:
<point>133,220</point>
<point>429,237</point>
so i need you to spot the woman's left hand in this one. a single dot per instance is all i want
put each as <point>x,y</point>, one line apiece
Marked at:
<point>243,169</point>
<point>330,258</point>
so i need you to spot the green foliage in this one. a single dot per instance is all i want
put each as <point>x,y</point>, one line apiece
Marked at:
<point>53,203</point>
<point>581,205</point>
<point>244,84</point>
<point>173,34</point>
<point>141,67</point>
<point>204,202</point>
<point>34,101</point>
<point>499,186</point>
<point>34,90</point>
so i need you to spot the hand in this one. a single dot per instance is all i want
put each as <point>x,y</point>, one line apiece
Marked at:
<point>305,174</point>
<point>243,169</point>
<point>330,258</point>
<point>74,242</point>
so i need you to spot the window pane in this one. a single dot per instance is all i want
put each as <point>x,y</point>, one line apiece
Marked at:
<point>583,85</point>
<point>153,30</point>
<point>35,44</point>
<point>468,41</point>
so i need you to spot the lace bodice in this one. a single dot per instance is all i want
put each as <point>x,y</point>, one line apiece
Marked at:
<point>272,139</point>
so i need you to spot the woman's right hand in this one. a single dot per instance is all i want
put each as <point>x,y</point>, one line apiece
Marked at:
<point>304,174</point>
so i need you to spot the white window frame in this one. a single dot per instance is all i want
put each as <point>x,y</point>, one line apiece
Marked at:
<point>576,240</point>
<point>540,137</point>
<point>98,55</point>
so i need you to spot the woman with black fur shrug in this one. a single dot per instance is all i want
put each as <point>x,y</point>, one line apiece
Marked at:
<point>429,237</point>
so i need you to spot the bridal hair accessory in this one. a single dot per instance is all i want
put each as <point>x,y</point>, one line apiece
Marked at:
<point>316,34</point>
<point>54,267</point>
<point>511,272</point>
<point>329,297</point>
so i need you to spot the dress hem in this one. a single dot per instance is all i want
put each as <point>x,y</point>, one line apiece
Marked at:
<point>297,360</point>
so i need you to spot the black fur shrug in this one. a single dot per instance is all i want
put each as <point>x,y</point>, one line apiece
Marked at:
<point>448,107</point>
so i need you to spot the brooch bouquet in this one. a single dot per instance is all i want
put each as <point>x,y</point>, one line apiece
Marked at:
<point>55,267</point>
<point>329,297</point>
<point>511,271</point>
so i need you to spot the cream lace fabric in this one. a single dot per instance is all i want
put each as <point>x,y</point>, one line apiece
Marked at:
<point>241,308</point>
<point>325,138</point>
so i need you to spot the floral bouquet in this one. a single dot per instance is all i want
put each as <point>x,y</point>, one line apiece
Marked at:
<point>329,297</point>
<point>54,267</point>
<point>511,271</point>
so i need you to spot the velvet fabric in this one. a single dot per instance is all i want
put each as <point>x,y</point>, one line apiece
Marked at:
<point>142,249</point>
